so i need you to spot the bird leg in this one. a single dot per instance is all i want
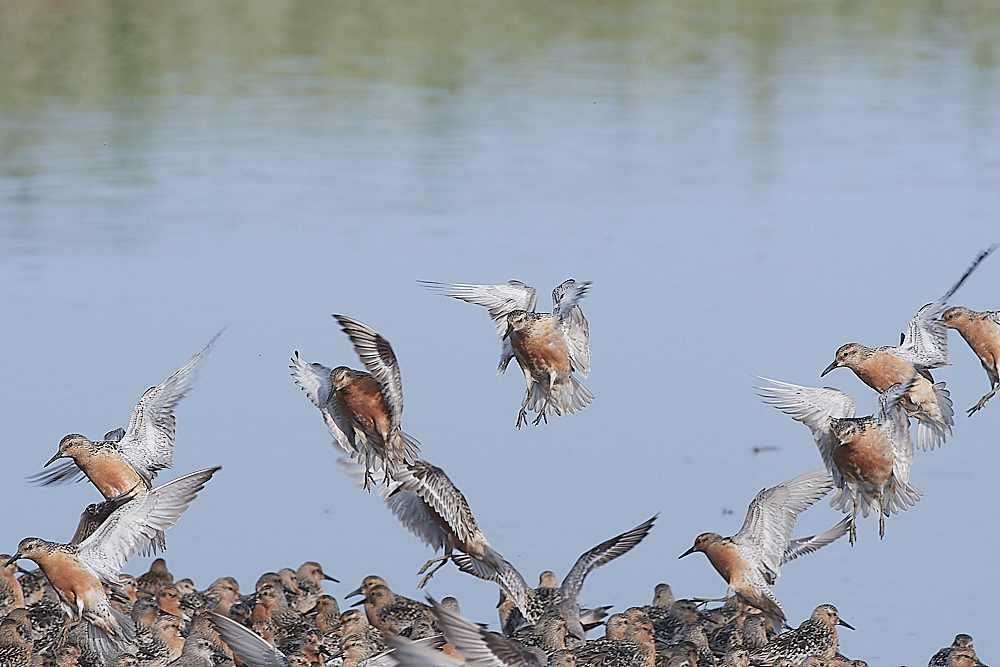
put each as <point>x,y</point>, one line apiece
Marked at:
<point>982,401</point>
<point>881,516</point>
<point>441,561</point>
<point>541,415</point>
<point>522,418</point>
<point>701,601</point>
<point>854,518</point>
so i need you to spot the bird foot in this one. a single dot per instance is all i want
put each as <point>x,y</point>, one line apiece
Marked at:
<point>982,401</point>
<point>539,418</point>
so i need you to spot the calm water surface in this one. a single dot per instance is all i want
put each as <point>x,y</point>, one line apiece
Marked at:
<point>749,185</point>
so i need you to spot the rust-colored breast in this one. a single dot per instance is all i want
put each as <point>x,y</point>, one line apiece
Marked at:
<point>111,475</point>
<point>884,369</point>
<point>726,561</point>
<point>866,458</point>
<point>543,349</point>
<point>983,336</point>
<point>363,403</point>
<point>69,578</point>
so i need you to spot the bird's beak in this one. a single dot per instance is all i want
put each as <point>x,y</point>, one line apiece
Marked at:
<point>835,364</point>
<point>686,553</point>
<point>841,622</point>
<point>53,459</point>
<point>329,578</point>
<point>323,650</point>
<point>357,591</point>
<point>506,334</point>
<point>22,570</point>
<point>13,559</point>
<point>360,602</point>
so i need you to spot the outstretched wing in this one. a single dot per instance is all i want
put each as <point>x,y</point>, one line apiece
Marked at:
<point>506,577</point>
<point>479,647</point>
<point>771,518</point>
<point>63,473</point>
<point>605,552</point>
<point>498,299</point>
<point>434,488</point>
<point>252,649</point>
<point>574,324</point>
<point>133,527</point>
<point>408,653</point>
<point>377,356</point>
<point>814,407</point>
<point>148,443</point>
<point>925,342</point>
<point>893,420</point>
<point>807,545</point>
<point>314,379</point>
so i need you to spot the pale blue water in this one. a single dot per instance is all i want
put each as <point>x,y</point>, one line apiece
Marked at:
<point>747,185</point>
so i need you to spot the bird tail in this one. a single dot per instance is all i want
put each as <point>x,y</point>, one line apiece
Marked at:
<point>934,425</point>
<point>411,447</point>
<point>768,604</point>
<point>902,497</point>
<point>565,399</point>
<point>109,643</point>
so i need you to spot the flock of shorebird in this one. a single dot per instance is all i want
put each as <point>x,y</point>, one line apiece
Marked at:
<point>77,608</point>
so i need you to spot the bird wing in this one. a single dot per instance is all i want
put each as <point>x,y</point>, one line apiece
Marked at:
<point>314,379</point>
<point>252,649</point>
<point>408,653</point>
<point>408,506</point>
<point>434,488</point>
<point>377,356</point>
<point>148,443</point>
<point>498,299</point>
<point>605,552</point>
<point>925,342</point>
<point>807,545</point>
<point>62,473</point>
<point>95,515</point>
<point>133,526</point>
<point>506,577</point>
<point>479,647</point>
<point>573,323</point>
<point>893,420</point>
<point>814,407</point>
<point>771,518</point>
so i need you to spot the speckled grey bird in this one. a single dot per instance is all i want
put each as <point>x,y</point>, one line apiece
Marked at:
<point>981,330</point>
<point>431,507</point>
<point>362,410</point>
<point>814,638</point>
<point>156,578</point>
<point>924,346</point>
<point>394,614</point>
<point>163,645</point>
<point>869,458</point>
<point>940,659</point>
<point>271,604</point>
<point>532,603</point>
<point>669,629</point>
<point>750,560</point>
<point>310,576</point>
<point>15,648</point>
<point>11,593</point>
<point>548,347</point>
<point>197,652</point>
